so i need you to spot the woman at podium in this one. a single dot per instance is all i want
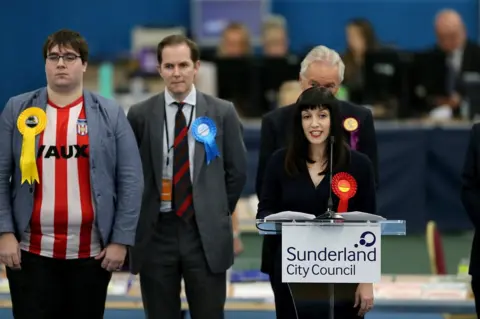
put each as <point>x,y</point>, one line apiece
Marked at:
<point>298,179</point>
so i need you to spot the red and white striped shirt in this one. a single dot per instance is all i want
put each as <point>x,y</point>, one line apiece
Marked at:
<point>62,224</point>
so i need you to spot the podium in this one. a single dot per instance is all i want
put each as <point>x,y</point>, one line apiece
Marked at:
<point>324,260</point>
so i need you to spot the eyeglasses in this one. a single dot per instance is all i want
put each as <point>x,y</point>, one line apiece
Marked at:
<point>67,58</point>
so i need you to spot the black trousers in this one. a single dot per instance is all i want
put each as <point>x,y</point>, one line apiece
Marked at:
<point>176,251</point>
<point>286,308</point>
<point>476,293</point>
<point>47,288</point>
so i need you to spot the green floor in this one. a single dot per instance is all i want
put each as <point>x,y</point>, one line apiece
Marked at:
<point>400,254</point>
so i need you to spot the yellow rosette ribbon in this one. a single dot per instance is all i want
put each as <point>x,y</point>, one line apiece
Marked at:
<point>30,123</point>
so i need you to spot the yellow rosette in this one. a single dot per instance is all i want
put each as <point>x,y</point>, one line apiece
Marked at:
<point>350,124</point>
<point>30,123</point>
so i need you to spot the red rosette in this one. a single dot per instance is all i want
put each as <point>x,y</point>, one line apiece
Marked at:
<point>345,187</point>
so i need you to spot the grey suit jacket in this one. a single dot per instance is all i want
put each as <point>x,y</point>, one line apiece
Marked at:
<point>216,186</point>
<point>115,168</point>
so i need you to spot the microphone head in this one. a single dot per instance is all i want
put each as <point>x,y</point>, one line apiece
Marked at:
<point>332,139</point>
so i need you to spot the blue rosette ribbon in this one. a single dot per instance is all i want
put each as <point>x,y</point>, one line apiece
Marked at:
<point>204,131</point>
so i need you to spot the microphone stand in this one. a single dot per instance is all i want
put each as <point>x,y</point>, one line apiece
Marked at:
<point>330,214</point>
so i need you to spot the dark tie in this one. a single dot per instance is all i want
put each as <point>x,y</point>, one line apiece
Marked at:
<point>451,76</point>
<point>182,184</point>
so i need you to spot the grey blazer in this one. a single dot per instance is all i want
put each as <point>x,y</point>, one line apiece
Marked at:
<point>216,186</point>
<point>115,168</point>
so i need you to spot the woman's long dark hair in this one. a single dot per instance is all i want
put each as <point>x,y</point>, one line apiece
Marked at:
<point>297,154</point>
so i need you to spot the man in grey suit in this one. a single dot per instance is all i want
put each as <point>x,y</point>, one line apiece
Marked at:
<point>71,185</point>
<point>194,162</point>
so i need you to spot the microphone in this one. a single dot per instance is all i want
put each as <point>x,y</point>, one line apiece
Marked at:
<point>330,214</point>
<point>330,173</point>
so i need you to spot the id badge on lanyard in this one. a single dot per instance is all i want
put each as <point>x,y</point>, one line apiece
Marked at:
<point>167,185</point>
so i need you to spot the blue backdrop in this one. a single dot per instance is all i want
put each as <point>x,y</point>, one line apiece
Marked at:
<point>106,24</point>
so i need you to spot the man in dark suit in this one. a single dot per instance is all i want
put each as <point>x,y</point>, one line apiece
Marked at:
<point>185,225</point>
<point>471,202</point>
<point>321,67</point>
<point>457,55</point>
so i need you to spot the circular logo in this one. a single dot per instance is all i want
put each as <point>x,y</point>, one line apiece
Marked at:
<point>31,121</point>
<point>350,124</point>
<point>203,130</point>
<point>344,186</point>
<point>367,239</point>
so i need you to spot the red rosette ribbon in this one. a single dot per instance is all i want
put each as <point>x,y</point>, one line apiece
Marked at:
<point>345,187</point>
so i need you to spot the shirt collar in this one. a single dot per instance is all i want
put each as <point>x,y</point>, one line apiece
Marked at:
<point>191,98</point>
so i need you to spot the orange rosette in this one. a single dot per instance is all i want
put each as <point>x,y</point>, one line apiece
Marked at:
<point>345,187</point>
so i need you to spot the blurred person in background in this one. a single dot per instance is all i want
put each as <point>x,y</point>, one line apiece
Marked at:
<point>471,202</point>
<point>68,206</point>
<point>234,52</point>
<point>191,190</point>
<point>235,41</point>
<point>288,93</point>
<point>462,55</point>
<point>361,38</point>
<point>322,67</point>
<point>275,37</point>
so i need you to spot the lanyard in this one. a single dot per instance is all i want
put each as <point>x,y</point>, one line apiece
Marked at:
<point>166,131</point>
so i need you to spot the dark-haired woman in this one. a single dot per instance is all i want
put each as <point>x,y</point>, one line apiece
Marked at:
<point>361,39</point>
<point>295,180</point>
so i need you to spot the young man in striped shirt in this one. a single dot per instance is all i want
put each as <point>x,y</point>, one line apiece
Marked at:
<point>70,210</point>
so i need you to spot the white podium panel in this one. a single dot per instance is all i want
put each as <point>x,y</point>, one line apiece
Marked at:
<point>331,253</point>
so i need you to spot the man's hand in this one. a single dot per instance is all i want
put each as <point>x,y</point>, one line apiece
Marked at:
<point>237,246</point>
<point>10,251</point>
<point>113,257</point>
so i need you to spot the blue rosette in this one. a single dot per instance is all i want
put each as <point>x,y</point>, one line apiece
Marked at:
<point>204,131</point>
